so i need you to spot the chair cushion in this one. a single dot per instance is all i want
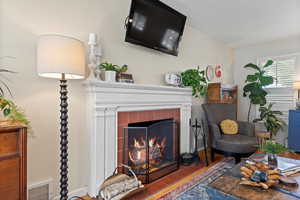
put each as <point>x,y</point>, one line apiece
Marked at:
<point>229,127</point>
<point>237,144</point>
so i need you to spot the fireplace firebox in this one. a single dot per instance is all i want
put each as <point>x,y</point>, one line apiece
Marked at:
<point>151,148</point>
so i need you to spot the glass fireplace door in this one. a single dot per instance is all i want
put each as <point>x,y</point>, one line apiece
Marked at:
<point>151,148</point>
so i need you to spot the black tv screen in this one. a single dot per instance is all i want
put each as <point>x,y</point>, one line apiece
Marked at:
<point>155,25</point>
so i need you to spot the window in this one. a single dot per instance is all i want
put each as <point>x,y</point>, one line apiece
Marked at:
<point>283,71</point>
<point>281,91</point>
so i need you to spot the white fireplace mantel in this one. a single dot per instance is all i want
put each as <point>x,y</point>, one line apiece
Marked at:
<point>105,100</point>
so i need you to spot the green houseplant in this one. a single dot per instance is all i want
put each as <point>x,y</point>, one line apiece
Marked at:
<point>4,87</point>
<point>270,119</point>
<point>9,109</point>
<point>195,79</point>
<point>12,112</point>
<point>255,83</point>
<point>111,70</point>
<point>111,67</point>
<point>272,149</point>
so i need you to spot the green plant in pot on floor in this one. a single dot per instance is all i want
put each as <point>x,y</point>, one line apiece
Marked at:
<point>196,79</point>
<point>273,124</point>
<point>256,83</point>
<point>271,119</point>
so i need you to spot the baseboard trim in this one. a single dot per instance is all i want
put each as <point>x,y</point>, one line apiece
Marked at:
<point>80,192</point>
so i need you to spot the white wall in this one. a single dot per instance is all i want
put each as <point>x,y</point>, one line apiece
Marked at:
<point>245,55</point>
<point>21,23</point>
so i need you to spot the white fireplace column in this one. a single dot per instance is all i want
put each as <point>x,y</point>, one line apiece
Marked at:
<point>105,100</point>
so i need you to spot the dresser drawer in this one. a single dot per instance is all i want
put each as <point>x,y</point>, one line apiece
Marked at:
<point>9,143</point>
<point>13,164</point>
<point>9,179</point>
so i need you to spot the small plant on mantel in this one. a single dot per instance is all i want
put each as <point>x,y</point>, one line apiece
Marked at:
<point>195,79</point>
<point>9,109</point>
<point>112,71</point>
<point>111,67</point>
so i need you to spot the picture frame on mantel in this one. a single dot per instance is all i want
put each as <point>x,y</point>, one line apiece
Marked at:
<point>125,78</point>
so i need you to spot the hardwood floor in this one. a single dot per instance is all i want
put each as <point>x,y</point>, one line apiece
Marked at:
<point>170,179</point>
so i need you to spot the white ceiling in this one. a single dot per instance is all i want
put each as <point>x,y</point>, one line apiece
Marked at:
<point>242,22</point>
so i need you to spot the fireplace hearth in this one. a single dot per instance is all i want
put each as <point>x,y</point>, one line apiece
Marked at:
<point>151,148</point>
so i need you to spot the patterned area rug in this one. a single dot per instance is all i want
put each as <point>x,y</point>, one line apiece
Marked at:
<point>194,187</point>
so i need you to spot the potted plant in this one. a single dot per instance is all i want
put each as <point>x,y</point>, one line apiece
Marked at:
<point>270,119</point>
<point>111,70</point>
<point>272,149</point>
<point>256,83</point>
<point>195,79</point>
<point>273,124</point>
<point>12,112</point>
<point>9,109</point>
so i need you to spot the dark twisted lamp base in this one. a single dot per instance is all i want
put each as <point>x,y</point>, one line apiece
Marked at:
<point>63,140</point>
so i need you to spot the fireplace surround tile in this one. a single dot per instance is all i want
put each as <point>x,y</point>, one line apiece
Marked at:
<point>142,116</point>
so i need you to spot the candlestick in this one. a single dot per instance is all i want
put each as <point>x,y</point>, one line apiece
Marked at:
<point>94,56</point>
<point>92,39</point>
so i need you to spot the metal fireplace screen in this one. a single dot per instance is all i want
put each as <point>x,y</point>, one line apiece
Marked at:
<point>151,148</point>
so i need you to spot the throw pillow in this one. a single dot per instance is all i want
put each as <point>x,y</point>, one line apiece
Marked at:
<point>229,127</point>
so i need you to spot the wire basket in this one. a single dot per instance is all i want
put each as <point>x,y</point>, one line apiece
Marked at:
<point>120,186</point>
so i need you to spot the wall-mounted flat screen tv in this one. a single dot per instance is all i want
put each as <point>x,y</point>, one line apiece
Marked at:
<point>153,24</point>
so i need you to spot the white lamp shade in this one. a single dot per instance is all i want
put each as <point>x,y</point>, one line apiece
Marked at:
<point>57,55</point>
<point>297,85</point>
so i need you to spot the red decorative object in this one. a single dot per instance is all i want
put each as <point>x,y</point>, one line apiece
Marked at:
<point>218,71</point>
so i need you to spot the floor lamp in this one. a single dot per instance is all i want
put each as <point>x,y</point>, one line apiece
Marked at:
<point>63,58</point>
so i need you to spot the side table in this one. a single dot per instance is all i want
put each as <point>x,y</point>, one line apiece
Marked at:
<point>262,137</point>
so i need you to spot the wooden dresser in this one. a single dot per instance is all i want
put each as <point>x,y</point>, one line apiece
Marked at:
<point>13,170</point>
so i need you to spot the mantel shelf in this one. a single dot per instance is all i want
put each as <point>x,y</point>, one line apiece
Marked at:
<point>116,85</point>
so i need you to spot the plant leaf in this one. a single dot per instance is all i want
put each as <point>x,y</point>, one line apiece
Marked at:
<point>6,112</point>
<point>250,87</point>
<point>251,78</point>
<point>253,66</point>
<point>266,80</point>
<point>7,71</point>
<point>268,63</point>
<point>6,86</point>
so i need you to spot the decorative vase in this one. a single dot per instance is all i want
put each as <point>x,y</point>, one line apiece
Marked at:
<point>110,76</point>
<point>272,160</point>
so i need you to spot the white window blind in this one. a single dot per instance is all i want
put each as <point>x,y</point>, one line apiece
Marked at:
<point>281,91</point>
<point>283,71</point>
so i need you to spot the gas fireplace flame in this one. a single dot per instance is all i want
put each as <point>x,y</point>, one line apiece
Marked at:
<point>138,152</point>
